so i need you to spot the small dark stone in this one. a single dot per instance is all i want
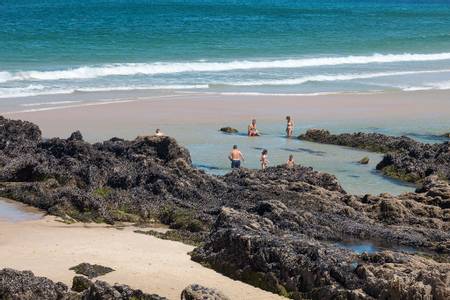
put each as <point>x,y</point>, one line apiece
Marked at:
<point>80,284</point>
<point>198,292</point>
<point>76,136</point>
<point>229,130</point>
<point>364,160</point>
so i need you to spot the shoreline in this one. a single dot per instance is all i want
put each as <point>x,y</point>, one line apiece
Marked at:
<point>138,112</point>
<point>49,248</point>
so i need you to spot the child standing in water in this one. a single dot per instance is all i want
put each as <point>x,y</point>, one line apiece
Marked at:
<point>290,162</point>
<point>289,126</point>
<point>264,159</point>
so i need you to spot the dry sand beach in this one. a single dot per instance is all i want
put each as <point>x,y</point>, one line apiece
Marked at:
<point>49,248</point>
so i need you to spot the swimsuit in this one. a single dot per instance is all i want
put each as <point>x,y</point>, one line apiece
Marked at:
<point>289,127</point>
<point>252,131</point>
<point>235,164</point>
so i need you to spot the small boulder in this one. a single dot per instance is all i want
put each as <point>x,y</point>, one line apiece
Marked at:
<point>76,136</point>
<point>80,284</point>
<point>229,130</point>
<point>364,160</point>
<point>91,271</point>
<point>198,292</point>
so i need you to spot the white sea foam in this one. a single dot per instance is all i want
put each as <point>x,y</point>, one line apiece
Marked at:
<point>442,85</point>
<point>37,90</point>
<point>31,90</point>
<point>49,103</point>
<point>69,106</point>
<point>152,87</point>
<point>269,94</point>
<point>416,88</point>
<point>130,69</point>
<point>337,77</point>
<point>5,76</point>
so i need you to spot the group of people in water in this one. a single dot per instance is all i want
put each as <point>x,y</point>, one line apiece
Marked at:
<point>236,156</point>
<point>253,131</point>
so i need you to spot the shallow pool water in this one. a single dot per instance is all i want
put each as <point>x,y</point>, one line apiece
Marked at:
<point>210,148</point>
<point>370,247</point>
<point>15,212</point>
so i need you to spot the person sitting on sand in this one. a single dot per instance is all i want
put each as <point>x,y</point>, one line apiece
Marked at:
<point>158,132</point>
<point>252,131</point>
<point>290,162</point>
<point>264,159</point>
<point>289,127</point>
<point>235,157</point>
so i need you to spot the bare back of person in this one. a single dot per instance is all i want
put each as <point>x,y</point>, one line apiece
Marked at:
<point>235,154</point>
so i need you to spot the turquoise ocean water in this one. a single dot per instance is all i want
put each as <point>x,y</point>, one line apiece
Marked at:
<point>277,47</point>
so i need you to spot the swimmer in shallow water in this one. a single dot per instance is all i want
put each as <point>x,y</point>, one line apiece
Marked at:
<point>289,126</point>
<point>252,131</point>
<point>236,157</point>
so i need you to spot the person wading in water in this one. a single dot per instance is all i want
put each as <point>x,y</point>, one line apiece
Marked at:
<point>236,157</point>
<point>289,126</point>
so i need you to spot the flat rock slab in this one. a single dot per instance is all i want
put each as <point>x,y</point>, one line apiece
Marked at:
<point>91,271</point>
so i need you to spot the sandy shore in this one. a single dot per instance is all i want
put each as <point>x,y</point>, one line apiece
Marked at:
<point>139,114</point>
<point>49,248</point>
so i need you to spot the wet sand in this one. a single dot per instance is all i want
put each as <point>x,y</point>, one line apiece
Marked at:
<point>49,248</point>
<point>137,113</point>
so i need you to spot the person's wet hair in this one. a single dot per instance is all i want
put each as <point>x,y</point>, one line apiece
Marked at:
<point>234,146</point>
<point>264,151</point>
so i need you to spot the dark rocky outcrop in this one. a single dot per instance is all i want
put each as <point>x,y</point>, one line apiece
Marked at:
<point>404,158</point>
<point>116,180</point>
<point>446,135</point>
<point>101,290</point>
<point>198,292</point>
<point>91,271</point>
<point>276,228</point>
<point>229,130</point>
<point>15,285</point>
<point>24,285</point>
<point>288,246</point>
<point>261,250</point>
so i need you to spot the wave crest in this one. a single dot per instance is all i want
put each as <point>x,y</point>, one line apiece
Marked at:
<point>130,69</point>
